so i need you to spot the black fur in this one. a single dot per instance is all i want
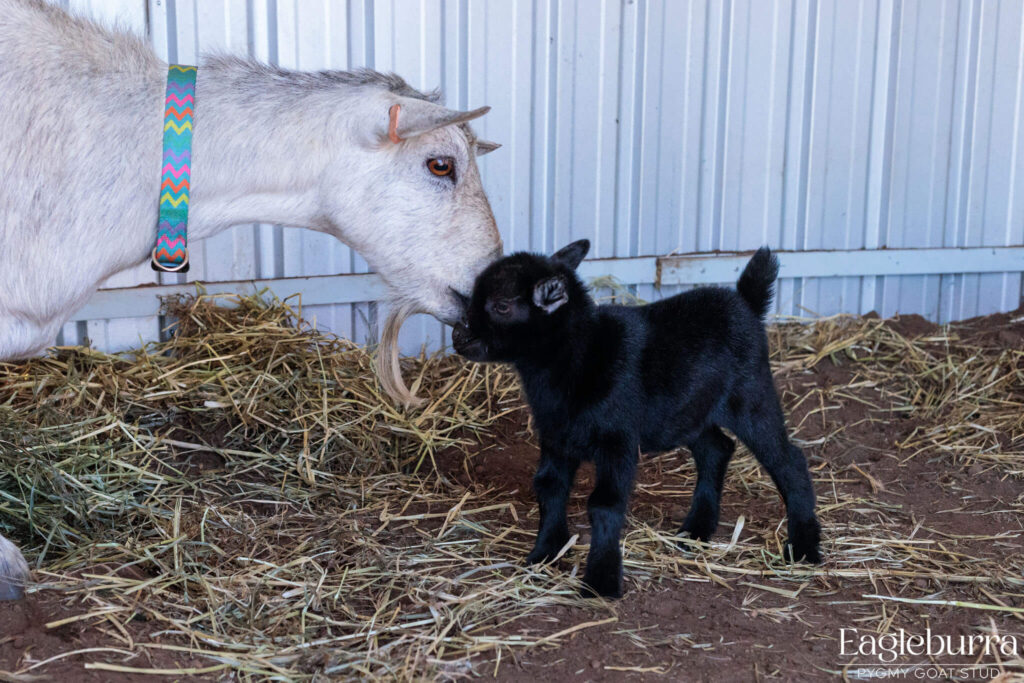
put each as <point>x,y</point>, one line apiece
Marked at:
<point>757,281</point>
<point>608,382</point>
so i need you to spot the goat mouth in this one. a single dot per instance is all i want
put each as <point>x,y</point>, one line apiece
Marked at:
<point>461,336</point>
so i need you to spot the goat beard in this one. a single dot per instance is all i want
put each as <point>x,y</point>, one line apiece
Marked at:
<point>389,370</point>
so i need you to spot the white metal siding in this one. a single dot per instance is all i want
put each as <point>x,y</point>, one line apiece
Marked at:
<point>657,126</point>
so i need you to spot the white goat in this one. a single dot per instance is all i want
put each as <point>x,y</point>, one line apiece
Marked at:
<point>80,152</point>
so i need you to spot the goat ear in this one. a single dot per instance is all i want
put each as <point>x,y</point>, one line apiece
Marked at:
<point>409,117</point>
<point>550,294</point>
<point>484,147</point>
<point>572,254</point>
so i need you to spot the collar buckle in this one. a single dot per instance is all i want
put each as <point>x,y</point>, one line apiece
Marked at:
<point>159,266</point>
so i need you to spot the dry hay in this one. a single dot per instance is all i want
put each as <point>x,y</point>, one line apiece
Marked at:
<point>247,488</point>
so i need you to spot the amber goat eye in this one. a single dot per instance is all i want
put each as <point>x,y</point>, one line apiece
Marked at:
<point>441,166</point>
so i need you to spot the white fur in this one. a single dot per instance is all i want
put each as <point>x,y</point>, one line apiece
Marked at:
<point>81,121</point>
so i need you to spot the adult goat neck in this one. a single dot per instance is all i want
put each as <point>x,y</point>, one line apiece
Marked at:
<point>81,150</point>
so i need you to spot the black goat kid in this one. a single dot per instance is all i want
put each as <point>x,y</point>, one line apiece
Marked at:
<point>608,382</point>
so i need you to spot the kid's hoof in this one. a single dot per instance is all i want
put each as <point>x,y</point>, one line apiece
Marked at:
<point>540,556</point>
<point>804,542</point>
<point>688,543</point>
<point>700,524</point>
<point>14,573</point>
<point>698,528</point>
<point>809,555</point>
<point>603,586</point>
<point>545,553</point>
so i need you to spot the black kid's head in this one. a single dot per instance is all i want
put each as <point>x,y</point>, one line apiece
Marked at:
<point>519,301</point>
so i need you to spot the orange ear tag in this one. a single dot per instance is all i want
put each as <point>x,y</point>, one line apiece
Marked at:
<point>393,126</point>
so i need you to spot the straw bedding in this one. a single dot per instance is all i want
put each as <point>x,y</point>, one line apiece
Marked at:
<point>247,491</point>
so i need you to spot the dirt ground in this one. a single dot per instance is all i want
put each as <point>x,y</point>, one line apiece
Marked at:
<point>922,530</point>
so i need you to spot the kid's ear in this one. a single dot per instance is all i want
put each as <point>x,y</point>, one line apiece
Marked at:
<point>550,294</point>
<point>572,254</point>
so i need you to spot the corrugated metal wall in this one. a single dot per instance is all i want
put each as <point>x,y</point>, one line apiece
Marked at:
<point>657,126</point>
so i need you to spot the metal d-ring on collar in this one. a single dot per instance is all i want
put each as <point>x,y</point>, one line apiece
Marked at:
<point>171,251</point>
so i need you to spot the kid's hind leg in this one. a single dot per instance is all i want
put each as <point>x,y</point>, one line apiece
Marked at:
<point>711,453</point>
<point>759,424</point>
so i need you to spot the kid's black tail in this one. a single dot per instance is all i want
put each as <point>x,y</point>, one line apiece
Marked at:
<point>756,283</point>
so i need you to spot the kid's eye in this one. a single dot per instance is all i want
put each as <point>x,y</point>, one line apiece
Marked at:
<point>502,308</point>
<point>441,166</point>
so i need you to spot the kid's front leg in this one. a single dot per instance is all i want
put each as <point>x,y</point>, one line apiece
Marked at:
<point>607,508</point>
<point>552,484</point>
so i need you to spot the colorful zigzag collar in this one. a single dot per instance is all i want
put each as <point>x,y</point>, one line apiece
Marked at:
<point>171,251</point>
